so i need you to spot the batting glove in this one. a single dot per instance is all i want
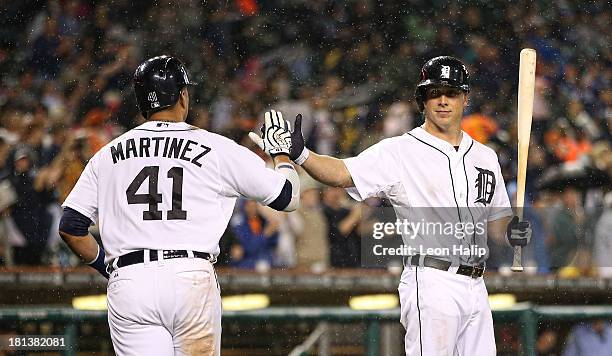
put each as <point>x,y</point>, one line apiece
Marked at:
<point>518,233</point>
<point>299,153</point>
<point>275,134</point>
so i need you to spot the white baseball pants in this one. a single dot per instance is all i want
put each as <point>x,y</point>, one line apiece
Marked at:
<point>167,307</point>
<point>445,314</point>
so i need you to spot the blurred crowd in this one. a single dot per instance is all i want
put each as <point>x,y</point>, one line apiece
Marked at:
<point>349,67</point>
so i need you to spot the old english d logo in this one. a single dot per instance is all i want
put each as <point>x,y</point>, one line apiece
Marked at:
<point>485,185</point>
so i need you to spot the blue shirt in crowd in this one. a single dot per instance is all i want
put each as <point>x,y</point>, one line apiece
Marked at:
<point>584,341</point>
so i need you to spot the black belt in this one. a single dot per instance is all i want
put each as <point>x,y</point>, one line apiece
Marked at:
<point>135,257</point>
<point>470,271</point>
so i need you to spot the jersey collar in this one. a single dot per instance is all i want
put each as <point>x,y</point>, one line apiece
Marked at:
<point>440,144</point>
<point>166,126</point>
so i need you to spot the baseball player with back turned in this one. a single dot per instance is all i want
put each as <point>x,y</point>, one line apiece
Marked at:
<point>162,195</point>
<point>434,173</point>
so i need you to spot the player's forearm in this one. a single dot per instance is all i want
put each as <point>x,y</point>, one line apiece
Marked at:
<point>328,170</point>
<point>282,164</point>
<point>281,159</point>
<point>85,247</point>
<point>497,230</point>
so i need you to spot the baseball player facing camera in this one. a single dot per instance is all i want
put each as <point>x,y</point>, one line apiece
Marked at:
<point>162,195</point>
<point>435,173</point>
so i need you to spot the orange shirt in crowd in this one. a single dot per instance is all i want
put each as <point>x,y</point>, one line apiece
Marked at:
<point>479,126</point>
<point>566,148</point>
<point>569,150</point>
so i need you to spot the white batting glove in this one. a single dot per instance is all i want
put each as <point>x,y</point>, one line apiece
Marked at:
<point>275,134</point>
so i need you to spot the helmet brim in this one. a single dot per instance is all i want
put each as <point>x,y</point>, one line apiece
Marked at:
<point>445,83</point>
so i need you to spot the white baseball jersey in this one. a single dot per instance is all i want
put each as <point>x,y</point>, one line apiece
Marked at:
<point>166,185</point>
<point>428,180</point>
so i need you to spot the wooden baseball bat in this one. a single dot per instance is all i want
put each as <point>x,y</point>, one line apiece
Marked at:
<point>526,88</point>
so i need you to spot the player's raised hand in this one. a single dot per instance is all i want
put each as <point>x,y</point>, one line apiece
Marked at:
<point>275,134</point>
<point>298,151</point>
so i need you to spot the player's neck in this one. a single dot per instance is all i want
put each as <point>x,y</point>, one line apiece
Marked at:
<point>452,134</point>
<point>166,115</point>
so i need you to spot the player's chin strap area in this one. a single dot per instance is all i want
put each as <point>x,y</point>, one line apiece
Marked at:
<point>139,257</point>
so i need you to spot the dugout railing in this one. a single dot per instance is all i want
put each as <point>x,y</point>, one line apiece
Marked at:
<point>525,315</point>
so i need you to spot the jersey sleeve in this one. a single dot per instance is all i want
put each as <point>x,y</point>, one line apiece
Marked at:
<point>243,173</point>
<point>500,204</point>
<point>84,196</point>
<point>372,171</point>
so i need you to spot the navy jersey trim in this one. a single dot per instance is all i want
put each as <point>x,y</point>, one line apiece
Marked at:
<point>450,172</point>
<point>467,196</point>
<point>416,279</point>
<point>284,198</point>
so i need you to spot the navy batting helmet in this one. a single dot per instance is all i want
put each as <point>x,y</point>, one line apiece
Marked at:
<point>443,70</point>
<point>158,82</point>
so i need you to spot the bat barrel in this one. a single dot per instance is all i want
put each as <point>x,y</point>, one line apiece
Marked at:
<point>526,90</point>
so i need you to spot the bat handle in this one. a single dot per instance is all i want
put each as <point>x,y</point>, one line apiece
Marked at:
<point>517,265</point>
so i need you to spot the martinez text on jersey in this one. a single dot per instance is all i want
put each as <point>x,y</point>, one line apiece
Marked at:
<point>159,146</point>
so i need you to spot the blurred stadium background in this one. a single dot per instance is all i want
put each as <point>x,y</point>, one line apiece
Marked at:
<point>350,68</point>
